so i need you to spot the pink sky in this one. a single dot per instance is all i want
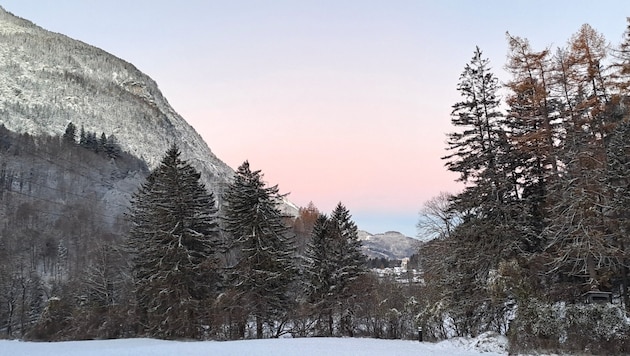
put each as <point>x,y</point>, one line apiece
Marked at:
<point>333,100</point>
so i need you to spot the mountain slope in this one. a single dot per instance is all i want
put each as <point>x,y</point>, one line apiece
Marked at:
<point>391,245</point>
<point>48,80</point>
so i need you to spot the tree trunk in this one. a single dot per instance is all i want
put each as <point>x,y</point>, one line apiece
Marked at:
<point>624,287</point>
<point>330,323</point>
<point>259,327</point>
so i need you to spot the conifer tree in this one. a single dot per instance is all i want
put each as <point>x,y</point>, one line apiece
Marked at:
<point>481,151</point>
<point>320,269</point>
<point>577,233</point>
<point>264,269</point>
<point>174,243</point>
<point>351,265</point>
<point>535,128</point>
<point>102,142</point>
<point>335,263</point>
<point>490,206</point>
<point>621,66</point>
<point>70,135</point>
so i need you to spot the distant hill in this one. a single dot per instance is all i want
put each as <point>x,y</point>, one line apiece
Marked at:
<point>391,245</point>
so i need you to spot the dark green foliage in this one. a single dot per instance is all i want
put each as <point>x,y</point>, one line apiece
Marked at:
<point>335,263</point>
<point>174,241</point>
<point>490,209</point>
<point>264,270</point>
<point>319,272</point>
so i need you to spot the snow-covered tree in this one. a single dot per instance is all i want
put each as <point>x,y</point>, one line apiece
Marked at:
<point>335,263</point>
<point>265,269</point>
<point>490,206</point>
<point>174,242</point>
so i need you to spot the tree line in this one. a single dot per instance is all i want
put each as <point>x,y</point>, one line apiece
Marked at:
<point>542,218</point>
<point>166,262</point>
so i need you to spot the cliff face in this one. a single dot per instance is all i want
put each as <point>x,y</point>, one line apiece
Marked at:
<point>48,80</point>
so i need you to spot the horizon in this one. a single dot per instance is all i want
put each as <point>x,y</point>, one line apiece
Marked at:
<point>334,102</point>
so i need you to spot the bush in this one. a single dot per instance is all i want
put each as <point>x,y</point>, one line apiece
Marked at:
<point>595,328</point>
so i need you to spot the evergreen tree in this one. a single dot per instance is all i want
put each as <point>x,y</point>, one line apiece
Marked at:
<point>490,204</point>
<point>82,137</point>
<point>351,265</point>
<point>335,263</point>
<point>319,272</point>
<point>265,270</point>
<point>102,142</point>
<point>621,66</point>
<point>112,149</point>
<point>70,135</point>
<point>483,154</point>
<point>174,243</point>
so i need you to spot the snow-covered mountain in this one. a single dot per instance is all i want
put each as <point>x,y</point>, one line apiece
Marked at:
<point>391,245</point>
<point>48,80</point>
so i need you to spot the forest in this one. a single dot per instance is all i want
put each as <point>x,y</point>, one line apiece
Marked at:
<point>94,245</point>
<point>542,221</point>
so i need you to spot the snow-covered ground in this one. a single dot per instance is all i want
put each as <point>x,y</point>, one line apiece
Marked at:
<point>488,345</point>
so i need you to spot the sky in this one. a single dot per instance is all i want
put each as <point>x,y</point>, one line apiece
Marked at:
<point>335,101</point>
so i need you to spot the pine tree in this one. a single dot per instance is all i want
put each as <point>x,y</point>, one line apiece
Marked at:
<point>70,135</point>
<point>351,265</point>
<point>319,272</point>
<point>102,142</point>
<point>490,205</point>
<point>482,152</point>
<point>265,268</point>
<point>82,137</point>
<point>335,264</point>
<point>174,244</point>
<point>112,149</point>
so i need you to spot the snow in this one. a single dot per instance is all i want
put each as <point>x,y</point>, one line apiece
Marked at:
<point>485,344</point>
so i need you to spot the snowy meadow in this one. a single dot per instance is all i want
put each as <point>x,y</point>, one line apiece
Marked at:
<point>486,344</point>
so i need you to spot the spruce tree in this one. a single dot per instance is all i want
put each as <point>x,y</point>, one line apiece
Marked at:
<point>318,274</point>
<point>482,152</point>
<point>174,243</point>
<point>335,264</point>
<point>351,265</point>
<point>70,135</point>
<point>264,269</point>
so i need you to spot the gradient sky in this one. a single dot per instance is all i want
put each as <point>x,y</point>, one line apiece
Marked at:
<point>333,100</point>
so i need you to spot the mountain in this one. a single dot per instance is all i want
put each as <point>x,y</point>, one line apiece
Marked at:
<point>48,80</point>
<point>391,245</point>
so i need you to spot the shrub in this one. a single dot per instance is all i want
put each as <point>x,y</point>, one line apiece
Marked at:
<point>559,327</point>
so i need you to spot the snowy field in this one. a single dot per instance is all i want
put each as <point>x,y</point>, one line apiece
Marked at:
<point>484,345</point>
